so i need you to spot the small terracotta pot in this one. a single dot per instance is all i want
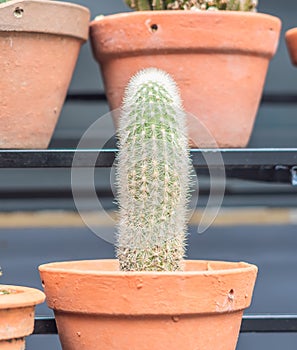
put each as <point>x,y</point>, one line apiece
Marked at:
<point>291,41</point>
<point>97,306</point>
<point>218,59</point>
<point>39,46</point>
<point>17,315</point>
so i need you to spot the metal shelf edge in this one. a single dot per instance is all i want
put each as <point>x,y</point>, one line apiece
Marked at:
<point>250,324</point>
<point>240,158</point>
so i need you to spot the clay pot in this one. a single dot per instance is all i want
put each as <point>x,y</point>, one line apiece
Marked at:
<point>218,59</point>
<point>17,315</point>
<point>97,306</point>
<point>291,41</point>
<point>39,46</point>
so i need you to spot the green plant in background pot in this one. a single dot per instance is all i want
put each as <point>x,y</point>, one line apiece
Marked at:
<point>228,5</point>
<point>217,51</point>
<point>17,314</point>
<point>150,297</point>
<point>39,47</point>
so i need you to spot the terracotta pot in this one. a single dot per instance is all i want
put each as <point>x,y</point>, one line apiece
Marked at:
<point>291,41</point>
<point>218,59</point>
<point>39,46</point>
<point>97,306</point>
<point>17,315</point>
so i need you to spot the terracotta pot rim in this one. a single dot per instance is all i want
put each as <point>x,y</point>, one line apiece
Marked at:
<point>178,13</point>
<point>44,2</point>
<point>133,34</point>
<point>114,292</point>
<point>291,41</point>
<point>45,16</point>
<point>20,297</point>
<point>292,31</point>
<point>66,267</point>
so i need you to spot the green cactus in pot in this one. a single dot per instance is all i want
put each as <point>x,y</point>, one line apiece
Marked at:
<point>200,5</point>
<point>153,175</point>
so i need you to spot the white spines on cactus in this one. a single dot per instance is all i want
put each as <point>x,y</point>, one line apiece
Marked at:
<point>153,175</point>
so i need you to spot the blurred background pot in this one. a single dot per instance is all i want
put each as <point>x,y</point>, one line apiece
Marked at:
<point>291,41</point>
<point>17,315</point>
<point>219,60</point>
<point>39,45</point>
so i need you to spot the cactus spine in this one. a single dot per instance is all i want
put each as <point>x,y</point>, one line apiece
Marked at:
<point>229,5</point>
<point>153,175</point>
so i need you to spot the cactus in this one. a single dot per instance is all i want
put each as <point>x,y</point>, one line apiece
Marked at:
<point>153,175</point>
<point>229,5</point>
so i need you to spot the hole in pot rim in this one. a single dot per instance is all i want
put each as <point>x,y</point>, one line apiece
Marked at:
<point>18,12</point>
<point>154,27</point>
